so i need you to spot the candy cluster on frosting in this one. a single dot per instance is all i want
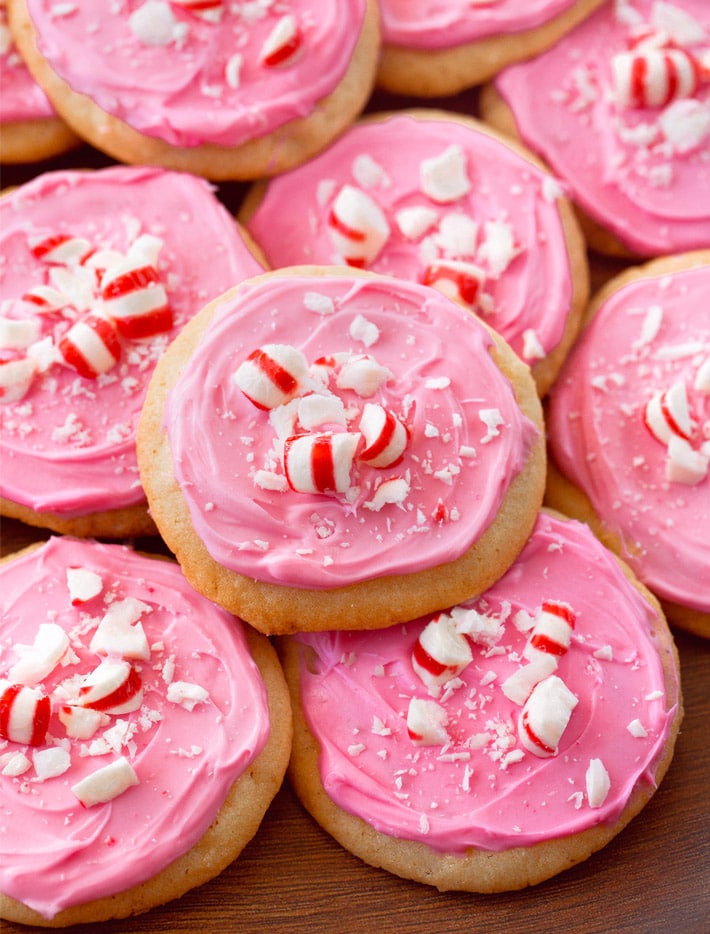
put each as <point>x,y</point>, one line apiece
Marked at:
<point>457,210</point>
<point>631,85</point>
<point>123,695</point>
<point>194,72</point>
<point>505,721</point>
<point>347,427</point>
<point>629,424</point>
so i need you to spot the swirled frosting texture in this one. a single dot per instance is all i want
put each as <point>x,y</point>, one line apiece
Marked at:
<point>443,386</point>
<point>185,760</point>
<point>527,288</point>
<point>482,788</point>
<point>649,335</point>
<point>440,24</point>
<point>186,79</point>
<point>69,442</point>
<point>639,171</point>
<point>22,98</point>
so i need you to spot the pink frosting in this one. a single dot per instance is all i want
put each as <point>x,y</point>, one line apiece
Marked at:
<point>22,98</point>
<point>649,335</point>
<point>467,435</point>
<point>518,241</point>
<point>185,760</point>
<point>440,24</point>
<point>637,171</point>
<point>69,443</point>
<point>188,80</point>
<point>482,788</point>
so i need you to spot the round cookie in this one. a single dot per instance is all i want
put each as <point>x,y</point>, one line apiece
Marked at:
<point>438,198</point>
<point>101,269</point>
<point>329,448</point>
<point>227,91</point>
<point>620,111</point>
<point>152,728</point>
<point>433,49</point>
<point>629,430</point>
<point>497,744</point>
<point>30,130</point>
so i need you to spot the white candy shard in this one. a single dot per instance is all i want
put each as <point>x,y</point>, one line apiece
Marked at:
<point>545,716</point>
<point>363,374</point>
<point>83,585</point>
<point>598,783</point>
<point>357,226</point>
<point>106,784</point>
<point>273,375</point>
<point>440,653</point>
<point>186,694</point>
<point>154,24</point>
<point>702,377</point>
<point>480,628</point>
<point>364,331</point>
<point>666,414</point>
<point>320,463</point>
<point>637,729</point>
<point>385,436</point>
<point>685,124</point>
<point>50,762</point>
<point>391,492</point>
<point>16,377</point>
<point>41,658</point>
<point>120,631</point>
<point>518,686</point>
<point>319,409</point>
<point>414,222</point>
<point>444,178</point>
<point>18,333</point>
<point>14,764</point>
<point>684,464</point>
<point>426,722</point>
<point>81,722</point>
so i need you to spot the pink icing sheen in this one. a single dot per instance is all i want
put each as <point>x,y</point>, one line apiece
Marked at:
<point>184,79</point>
<point>69,443</point>
<point>185,760</point>
<point>22,98</point>
<point>483,789</point>
<point>440,24</point>
<point>599,439</point>
<point>533,289</point>
<point>641,172</point>
<point>442,378</point>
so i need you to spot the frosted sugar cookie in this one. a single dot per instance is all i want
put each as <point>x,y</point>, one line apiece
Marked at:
<point>620,110</point>
<point>143,734</point>
<point>326,448</point>
<point>496,744</point>
<point>223,90</point>
<point>433,49</point>
<point>100,270</point>
<point>436,198</point>
<point>30,130</point>
<point>629,430</point>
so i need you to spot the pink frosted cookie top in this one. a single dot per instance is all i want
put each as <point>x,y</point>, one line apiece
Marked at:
<point>620,109</point>
<point>68,438</point>
<point>458,760</point>
<point>441,24</point>
<point>629,424</point>
<point>21,98</point>
<point>190,73</point>
<point>435,201</point>
<point>408,434</point>
<point>184,717</point>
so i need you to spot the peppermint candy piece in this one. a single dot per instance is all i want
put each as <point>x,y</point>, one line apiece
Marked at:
<point>16,377</point>
<point>41,658</point>
<point>272,375</point>
<point>91,346</point>
<point>112,687</point>
<point>440,653</point>
<point>654,77</point>
<point>208,10</point>
<point>385,436</point>
<point>282,43</point>
<point>457,279</point>
<point>132,293</point>
<point>545,716</point>
<point>61,249</point>
<point>24,714</point>
<point>357,227</point>
<point>666,414</point>
<point>320,463</point>
<point>426,723</point>
<point>554,622</point>
<point>106,784</point>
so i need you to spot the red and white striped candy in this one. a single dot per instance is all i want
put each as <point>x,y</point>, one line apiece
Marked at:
<point>91,346</point>
<point>320,463</point>
<point>545,716</point>
<point>45,298</point>
<point>120,632</point>
<point>24,714</point>
<point>457,279</point>
<point>426,723</point>
<point>385,436</point>
<point>357,226</point>
<point>518,686</point>
<point>554,622</point>
<point>654,77</point>
<point>61,249</point>
<point>112,687</point>
<point>16,377</point>
<point>666,414</point>
<point>440,653</point>
<point>282,43</point>
<point>272,375</point>
<point>132,293</point>
<point>208,10</point>
<point>106,783</point>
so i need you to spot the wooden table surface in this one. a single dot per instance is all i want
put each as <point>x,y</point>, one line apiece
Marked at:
<point>293,877</point>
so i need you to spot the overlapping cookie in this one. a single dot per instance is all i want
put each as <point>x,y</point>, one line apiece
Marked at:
<point>629,430</point>
<point>143,734</point>
<point>223,90</point>
<point>491,746</point>
<point>100,271</point>
<point>329,448</point>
